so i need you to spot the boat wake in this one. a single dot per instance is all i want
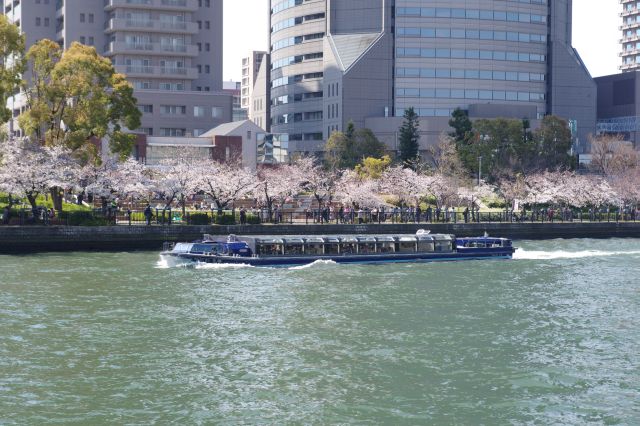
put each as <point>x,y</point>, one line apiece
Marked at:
<point>168,262</point>
<point>522,254</point>
<point>315,264</point>
<point>219,266</point>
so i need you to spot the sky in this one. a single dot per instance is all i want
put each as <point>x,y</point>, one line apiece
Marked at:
<point>595,34</point>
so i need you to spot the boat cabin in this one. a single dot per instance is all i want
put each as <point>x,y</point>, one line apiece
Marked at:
<point>482,242</point>
<point>335,245</point>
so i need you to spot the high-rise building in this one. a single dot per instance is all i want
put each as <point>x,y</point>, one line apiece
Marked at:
<point>297,30</point>
<point>170,50</point>
<point>250,69</point>
<point>492,58</point>
<point>630,35</point>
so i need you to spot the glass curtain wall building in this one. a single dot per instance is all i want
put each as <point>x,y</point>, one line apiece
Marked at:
<point>297,29</point>
<point>369,60</point>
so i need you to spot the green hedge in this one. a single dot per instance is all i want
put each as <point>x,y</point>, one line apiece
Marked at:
<point>199,219</point>
<point>80,218</point>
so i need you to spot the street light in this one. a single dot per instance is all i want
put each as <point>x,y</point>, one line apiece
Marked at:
<point>479,169</point>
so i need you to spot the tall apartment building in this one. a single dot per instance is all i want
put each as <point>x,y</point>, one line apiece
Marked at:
<point>630,35</point>
<point>493,58</point>
<point>170,50</point>
<point>250,69</point>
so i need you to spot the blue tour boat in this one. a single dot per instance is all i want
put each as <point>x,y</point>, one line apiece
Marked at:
<point>298,250</point>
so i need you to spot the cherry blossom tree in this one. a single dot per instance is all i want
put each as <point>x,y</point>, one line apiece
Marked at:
<point>113,179</point>
<point>225,182</point>
<point>276,184</point>
<point>320,183</point>
<point>352,189</point>
<point>29,169</point>
<point>178,178</point>
<point>404,184</point>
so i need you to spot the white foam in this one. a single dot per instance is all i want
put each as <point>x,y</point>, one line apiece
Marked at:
<point>168,262</point>
<point>522,254</point>
<point>320,262</point>
<point>222,266</point>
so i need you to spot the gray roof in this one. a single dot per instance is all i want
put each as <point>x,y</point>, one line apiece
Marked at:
<point>350,47</point>
<point>227,128</point>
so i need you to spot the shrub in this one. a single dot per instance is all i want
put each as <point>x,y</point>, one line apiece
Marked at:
<point>224,219</point>
<point>253,219</point>
<point>199,219</point>
<point>82,218</point>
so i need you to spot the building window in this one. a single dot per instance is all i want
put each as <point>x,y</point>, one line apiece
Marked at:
<point>38,21</point>
<point>91,18</point>
<point>146,109</point>
<point>46,22</point>
<point>173,109</point>
<point>199,25</point>
<point>207,47</point>
<point>170,131</point>
<point>199,69</point>
<point>83,40</point>
<point>207,3</point>
<point>198,132</point>
<point>91,41</point>
<point>82,17</point>
<point>207,69</point>
<point>199,47</point>
<point>207,25</point>
<point>198,111</point>
<point>217,112</point>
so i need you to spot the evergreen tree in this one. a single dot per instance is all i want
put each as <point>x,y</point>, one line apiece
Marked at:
<point>409,138</point>
<point>461,125</point>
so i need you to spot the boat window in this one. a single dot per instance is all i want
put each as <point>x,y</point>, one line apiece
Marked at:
<point>349,248</point>
<point>386,247</point>
<point>331,248</point>
<point>293,248</point>
<point>183,247</point>
<point>269,249</point>
<point>365,247</point>
<point>425,246</point>
<point>443,246</point>
<point>201,248</point>
<point>407,246</point>
<point>314,248</point>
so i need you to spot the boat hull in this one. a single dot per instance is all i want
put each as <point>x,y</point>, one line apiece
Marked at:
<point>288,261</point>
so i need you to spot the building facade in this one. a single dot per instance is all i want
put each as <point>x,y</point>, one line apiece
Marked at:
<point>250,70</point>
<point>170,50</point>
<point>492,58</point>
<point>630,35</point>
<point>619,105</point>
<point>297,30</point>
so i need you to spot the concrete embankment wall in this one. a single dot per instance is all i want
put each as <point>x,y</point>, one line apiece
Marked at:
<point>29,239</point>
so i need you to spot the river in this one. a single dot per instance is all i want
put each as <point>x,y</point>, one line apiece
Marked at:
<point>551,337</point>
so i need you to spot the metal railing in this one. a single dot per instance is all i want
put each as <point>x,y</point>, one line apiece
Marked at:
<point>24,216</point>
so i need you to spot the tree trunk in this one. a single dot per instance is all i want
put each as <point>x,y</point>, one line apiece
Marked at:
<point>56,197</point>
<point>32,200</point>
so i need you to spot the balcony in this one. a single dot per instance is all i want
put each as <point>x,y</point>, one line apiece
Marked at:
<point>150,25</point>
<point>176,5</point>
<point>157,72</point>
<point>121,47</point>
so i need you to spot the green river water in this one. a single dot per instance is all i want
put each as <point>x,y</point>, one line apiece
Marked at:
<point>551,337</point>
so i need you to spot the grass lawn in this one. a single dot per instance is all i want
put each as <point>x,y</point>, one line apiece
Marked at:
<point>42,201</point>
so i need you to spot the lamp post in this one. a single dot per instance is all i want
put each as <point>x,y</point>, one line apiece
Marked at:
<point>479,168</point>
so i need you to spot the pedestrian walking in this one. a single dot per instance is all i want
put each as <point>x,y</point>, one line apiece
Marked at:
<point>148,214</point>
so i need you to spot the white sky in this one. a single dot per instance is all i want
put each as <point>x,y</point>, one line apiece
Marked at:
<point>595,33</point>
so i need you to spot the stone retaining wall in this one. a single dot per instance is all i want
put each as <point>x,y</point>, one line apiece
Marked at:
<point>28,239</point>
